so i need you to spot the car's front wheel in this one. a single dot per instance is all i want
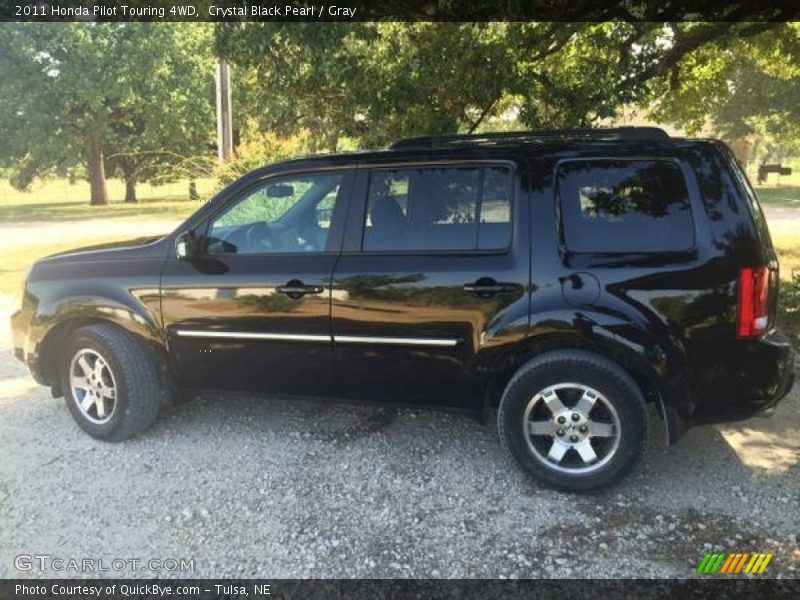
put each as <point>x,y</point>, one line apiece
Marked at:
<point>574,420</point>
<point>110,383</point>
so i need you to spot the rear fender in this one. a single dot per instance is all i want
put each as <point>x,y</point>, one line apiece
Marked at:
<point>654,364</point>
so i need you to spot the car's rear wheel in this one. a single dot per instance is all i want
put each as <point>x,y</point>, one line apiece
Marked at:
<point>110,383</point>
<point>574,420</point>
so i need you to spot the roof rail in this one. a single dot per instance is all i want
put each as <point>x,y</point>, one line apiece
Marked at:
<point>499,137</point>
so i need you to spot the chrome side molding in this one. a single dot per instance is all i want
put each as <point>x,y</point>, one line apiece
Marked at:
<point>240,335</point>
<point>301,337</point>
<point>397,341</point>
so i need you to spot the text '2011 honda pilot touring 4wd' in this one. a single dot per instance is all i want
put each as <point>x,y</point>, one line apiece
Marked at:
<point>568,279</point>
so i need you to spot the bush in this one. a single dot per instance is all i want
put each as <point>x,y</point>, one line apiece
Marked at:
<point>258,149</point>
<point>789,308</point>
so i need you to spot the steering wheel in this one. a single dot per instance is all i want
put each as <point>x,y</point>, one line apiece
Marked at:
<point>259,236</point>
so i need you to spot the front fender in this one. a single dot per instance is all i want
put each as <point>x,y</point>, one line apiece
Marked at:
<point>54,307</point>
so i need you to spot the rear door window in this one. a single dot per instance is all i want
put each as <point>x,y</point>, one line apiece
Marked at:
<point>439,208</point>
<point>610,205</point>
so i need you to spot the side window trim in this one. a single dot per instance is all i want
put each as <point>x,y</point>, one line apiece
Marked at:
<point>356,219</point>
<point>691,190</point>
<point>479,207</point>
<point>338,221</point>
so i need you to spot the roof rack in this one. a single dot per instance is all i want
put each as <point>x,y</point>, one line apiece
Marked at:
<point>655,134</point>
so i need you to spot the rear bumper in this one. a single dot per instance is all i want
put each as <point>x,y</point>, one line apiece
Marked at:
<point>757,375</point>
<point>790,381</point>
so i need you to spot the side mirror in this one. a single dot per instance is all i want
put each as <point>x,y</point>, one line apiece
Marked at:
<point>184,245</point>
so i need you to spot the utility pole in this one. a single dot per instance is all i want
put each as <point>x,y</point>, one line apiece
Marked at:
<point>224,120</point>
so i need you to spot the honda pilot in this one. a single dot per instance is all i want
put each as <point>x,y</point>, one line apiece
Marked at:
<point>568,280</point>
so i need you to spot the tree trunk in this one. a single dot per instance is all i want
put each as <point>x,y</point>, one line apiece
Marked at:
<point>130,189</point>
<point>193,195</point>
<point>97,171</point>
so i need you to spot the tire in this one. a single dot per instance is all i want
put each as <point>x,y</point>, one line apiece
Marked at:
<point>611,419</point>
<point>125,394</point>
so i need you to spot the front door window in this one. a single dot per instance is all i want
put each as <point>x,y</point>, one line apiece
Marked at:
<point>287,214</point>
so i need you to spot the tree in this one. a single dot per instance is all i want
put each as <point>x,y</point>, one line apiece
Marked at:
<point>747,89</point>
<point>295,76</point>
<point>78,92</point>
<point>379,81</point>
<point>154,144</point>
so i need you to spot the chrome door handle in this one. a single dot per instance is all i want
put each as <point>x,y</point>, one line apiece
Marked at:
<point>498,288</point>
<point>296,289</point>
<point>486,287</point>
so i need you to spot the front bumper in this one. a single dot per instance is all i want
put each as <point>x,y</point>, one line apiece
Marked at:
<point>17,335</point>
<point>24,349</point>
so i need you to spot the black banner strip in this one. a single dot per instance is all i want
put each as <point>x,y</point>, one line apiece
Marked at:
<point>399,10</point>
<point>285,589</point>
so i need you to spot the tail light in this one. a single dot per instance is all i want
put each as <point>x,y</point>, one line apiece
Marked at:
<point>753,314</point>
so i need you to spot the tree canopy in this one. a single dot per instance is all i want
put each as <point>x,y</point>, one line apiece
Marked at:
<point>748,87</point>
<point>73,92</point>
<point>378,81</point>
<point>136,99</point>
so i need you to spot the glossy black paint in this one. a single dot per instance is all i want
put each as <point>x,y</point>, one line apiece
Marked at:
<point>423,295</point>
<point>243,294</point>
<point>240,293</point>
<point>669,318</point>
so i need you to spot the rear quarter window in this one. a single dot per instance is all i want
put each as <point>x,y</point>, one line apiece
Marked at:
<point>613,205</point>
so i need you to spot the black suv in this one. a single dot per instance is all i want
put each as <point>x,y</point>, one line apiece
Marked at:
<point>568,278</point>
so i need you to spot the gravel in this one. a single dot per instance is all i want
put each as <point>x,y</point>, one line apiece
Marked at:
<point>249,487</point>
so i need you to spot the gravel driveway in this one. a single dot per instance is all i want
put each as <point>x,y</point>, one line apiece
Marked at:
<point>274,488</point>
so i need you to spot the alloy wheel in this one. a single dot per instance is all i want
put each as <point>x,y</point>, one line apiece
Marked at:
<point>93,387</point>
<point>572,428</point>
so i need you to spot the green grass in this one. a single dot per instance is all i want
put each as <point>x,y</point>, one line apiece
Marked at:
<point>783,192</point>
<point>15,265</point>
<point>786,239</point>
<point>59,200</point>
<point>779,191</point>
<point>789,314</point>
<point>779,196</point>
